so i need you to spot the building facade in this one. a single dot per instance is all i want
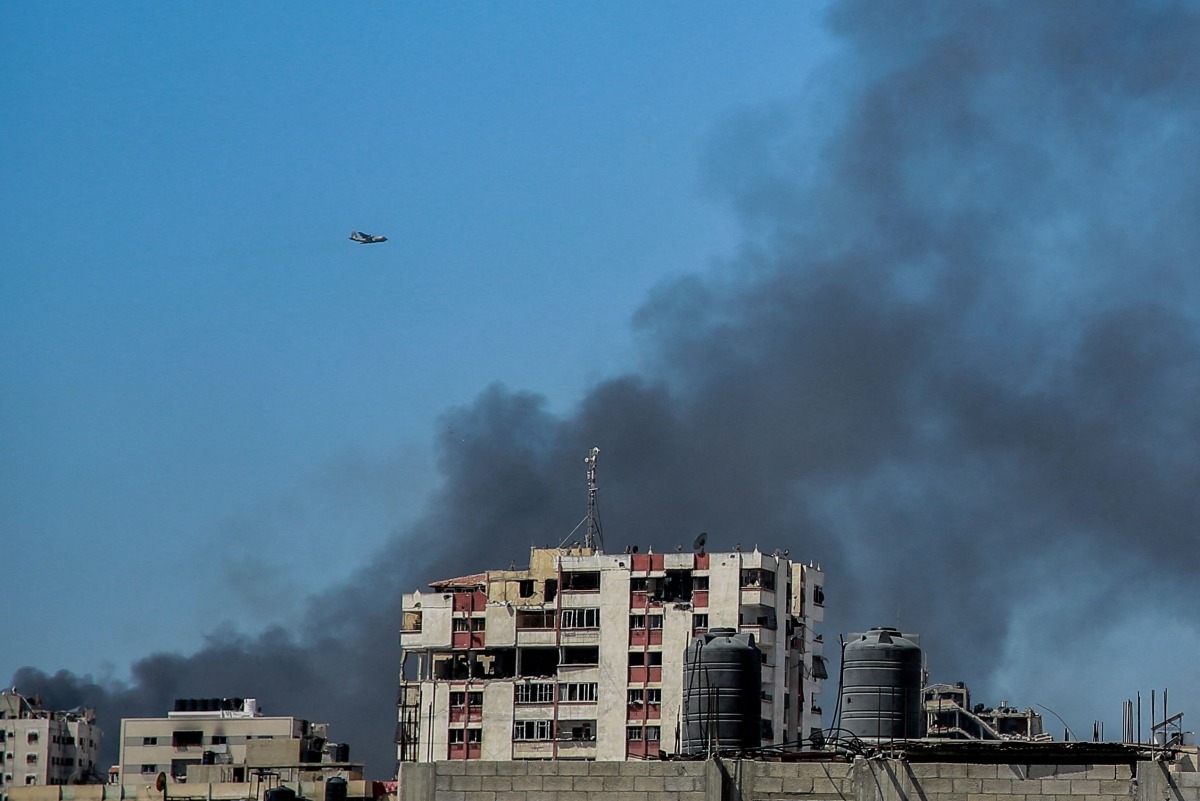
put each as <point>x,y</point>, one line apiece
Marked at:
<point>40,746</point>
<point>227,740</point>
<point>580,656</point>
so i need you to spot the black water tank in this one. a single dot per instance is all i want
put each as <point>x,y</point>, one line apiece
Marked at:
<point>280,794</point>
<point>881,686</point>
<point>722,685</point>
<point>335,789</point>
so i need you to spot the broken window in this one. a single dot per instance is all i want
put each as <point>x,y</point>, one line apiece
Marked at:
<point>678,585</point>
<point>818,595</point>
<point>525,588</point>
<point>700,621</point>
<point>581,581</point>
<point>758,578</point>
<point>551,589</point>
<point>535,619</point>
<point>185,738</point>
<point>581,655</point>
<point>539,661</point>
<point>581,618</point>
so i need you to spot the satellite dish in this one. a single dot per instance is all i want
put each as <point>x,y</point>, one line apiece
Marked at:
<point>160,783</point>
<point>698,545</point>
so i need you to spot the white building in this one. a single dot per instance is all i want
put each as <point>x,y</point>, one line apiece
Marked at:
<point>40,746</point>
<point>580,656</point>
<point>227,740</point>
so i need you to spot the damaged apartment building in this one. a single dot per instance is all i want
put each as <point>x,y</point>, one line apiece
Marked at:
<point>580,656</point>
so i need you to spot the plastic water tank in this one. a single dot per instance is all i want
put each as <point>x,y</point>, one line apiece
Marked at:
<point>335,789</point>
<point>280,794</point>
<point>881,686</point>
<point>722,685</point>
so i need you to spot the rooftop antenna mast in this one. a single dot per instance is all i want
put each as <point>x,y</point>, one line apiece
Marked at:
<point>595,534</point>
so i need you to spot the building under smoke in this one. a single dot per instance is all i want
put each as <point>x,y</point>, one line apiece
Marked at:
<point>580,656</point>
<point>40,746</point>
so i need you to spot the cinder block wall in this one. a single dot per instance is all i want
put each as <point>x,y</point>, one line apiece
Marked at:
<point>740,780</point>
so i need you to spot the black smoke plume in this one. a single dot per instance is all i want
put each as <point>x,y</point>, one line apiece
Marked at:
<point>956,361</point>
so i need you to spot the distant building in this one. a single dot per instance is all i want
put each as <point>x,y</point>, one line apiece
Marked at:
<point>580,656</point>
<point>229,740</point>
<point>949,715</point>
<point>40,746</point>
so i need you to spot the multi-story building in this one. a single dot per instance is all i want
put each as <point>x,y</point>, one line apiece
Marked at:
<point>41,746</point>
<point>228,740</point>
<point>580,656</point>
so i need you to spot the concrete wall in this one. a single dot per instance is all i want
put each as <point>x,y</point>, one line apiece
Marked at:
<point>355,790</point>
<point>733,780</point>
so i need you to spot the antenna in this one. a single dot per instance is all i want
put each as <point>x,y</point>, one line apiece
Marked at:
<point>594,538</point>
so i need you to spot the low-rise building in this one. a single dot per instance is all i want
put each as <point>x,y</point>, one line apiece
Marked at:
<point>229,740</point>
<point>41,746</point>
<point>581,655</point>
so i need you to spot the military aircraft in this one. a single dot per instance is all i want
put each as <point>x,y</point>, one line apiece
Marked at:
<point>366,239</point>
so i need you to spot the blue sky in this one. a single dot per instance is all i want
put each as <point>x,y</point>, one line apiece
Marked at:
<point>195,353</point>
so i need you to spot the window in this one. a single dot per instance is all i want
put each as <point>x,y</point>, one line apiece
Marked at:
<point>31,759</point>
<point>535,619</point>
<point>581,580</point>
<point>32,737</point>
<point>533,730</point>
<point>584,731</point>
<point>219,739</point>
<point>653,695</point>
<point>581,656</point>
<point>411,621</point>
<point>459,736</point>
<point>579,692</point>
<point>633,733</point>
<point>640,658</point>
<point>756,577</point>
<point>31,779</point>
<point>654,621</point>
<point>638,584</point>
<point>461,624</point>
<point>700,621</point>
<point>652,733</point>
<point>525,588</point>
<point>149,741</point>
<point>534,694</point>
<point>818,595</point>
<point>581,618</point>
<point>182,739</point>
<point>699,582</point>
<point>637,622</point>
<point>459,698</point>
<point>149,768</point>
<point>635,696</point>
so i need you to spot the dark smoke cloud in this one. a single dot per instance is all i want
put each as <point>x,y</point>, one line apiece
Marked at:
<point>956,362</point>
